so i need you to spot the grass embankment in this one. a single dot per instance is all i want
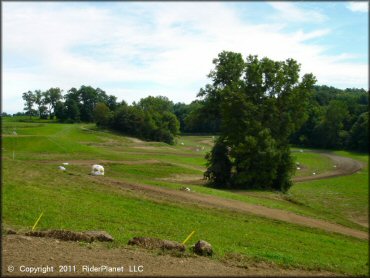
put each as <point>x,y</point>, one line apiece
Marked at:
<point>76,201</point>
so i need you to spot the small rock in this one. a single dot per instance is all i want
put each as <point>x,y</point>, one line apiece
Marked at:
<point>65,163</point>
<point>62,168</point>
<point>203,248</point>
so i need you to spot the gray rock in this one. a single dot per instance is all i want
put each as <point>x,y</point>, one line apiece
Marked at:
<point>203,248</point>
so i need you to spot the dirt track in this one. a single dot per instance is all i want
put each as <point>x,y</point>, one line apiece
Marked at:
<point>20,250</point>
<point>213,201</point>
<point>344,166</point>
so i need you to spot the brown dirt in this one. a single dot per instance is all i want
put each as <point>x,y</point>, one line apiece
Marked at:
<point>88,236</point>
<point>156,243</point>
<point>33,252</point>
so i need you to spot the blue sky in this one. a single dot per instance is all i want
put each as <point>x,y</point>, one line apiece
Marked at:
<point>136,49</point>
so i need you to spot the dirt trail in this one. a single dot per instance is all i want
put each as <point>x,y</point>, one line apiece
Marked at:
<point>213,201</point>
<point>344,166</point>
<point>20,250</point>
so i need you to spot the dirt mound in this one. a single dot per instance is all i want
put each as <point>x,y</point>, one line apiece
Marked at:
<point>153,243</point>
<point>88,236</point>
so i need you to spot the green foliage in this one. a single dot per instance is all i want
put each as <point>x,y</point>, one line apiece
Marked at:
<point>29,99</point>
<point>261,103</point>
<point>218,165</point>
<point>102,114</point>
<point>149,119</point>
<point>332,114</point>
<point>359,134</point>
<point>51,97</point>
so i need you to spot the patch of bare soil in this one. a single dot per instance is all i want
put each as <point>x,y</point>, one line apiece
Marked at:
<point>235,205</point>
<point>77,259</point>
<point>152,243</point>
<point>88,236</point>
<point>135,140</point>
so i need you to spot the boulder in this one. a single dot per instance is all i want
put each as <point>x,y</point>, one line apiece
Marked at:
<point>203,248</point>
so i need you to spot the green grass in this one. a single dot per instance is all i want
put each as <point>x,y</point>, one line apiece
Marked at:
<point>70,202</point>
<point>76,201</point>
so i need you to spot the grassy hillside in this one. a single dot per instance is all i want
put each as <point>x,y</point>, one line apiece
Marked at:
<point>75,200</point>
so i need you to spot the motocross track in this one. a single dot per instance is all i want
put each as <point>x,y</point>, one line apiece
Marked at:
<point>345,166</point>
<point>21,250</point>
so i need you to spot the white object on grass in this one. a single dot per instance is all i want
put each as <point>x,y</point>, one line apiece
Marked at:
<point>97,170</point>
<point>182,143</point>
<point>62,168</point>
<point>313,173</point>
<point>301,151</point>
<point>65,163</point>
<point>298,168</point>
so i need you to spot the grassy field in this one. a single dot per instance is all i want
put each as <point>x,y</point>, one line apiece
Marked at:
<point>74,200</point>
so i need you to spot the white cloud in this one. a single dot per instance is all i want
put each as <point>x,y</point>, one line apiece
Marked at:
<point>169,46</point>
<point>362,7</point>
<point>290,12</point>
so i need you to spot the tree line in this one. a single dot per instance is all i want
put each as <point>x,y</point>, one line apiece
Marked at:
<point>334,118</point>
<point>151,118</point>
<point>258,107</point>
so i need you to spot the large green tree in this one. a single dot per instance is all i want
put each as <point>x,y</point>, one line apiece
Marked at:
<point>29,99</point>
<point>261,103</point>
<point>51,97</point>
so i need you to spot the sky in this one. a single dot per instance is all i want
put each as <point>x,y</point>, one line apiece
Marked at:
<point>136,49</point>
